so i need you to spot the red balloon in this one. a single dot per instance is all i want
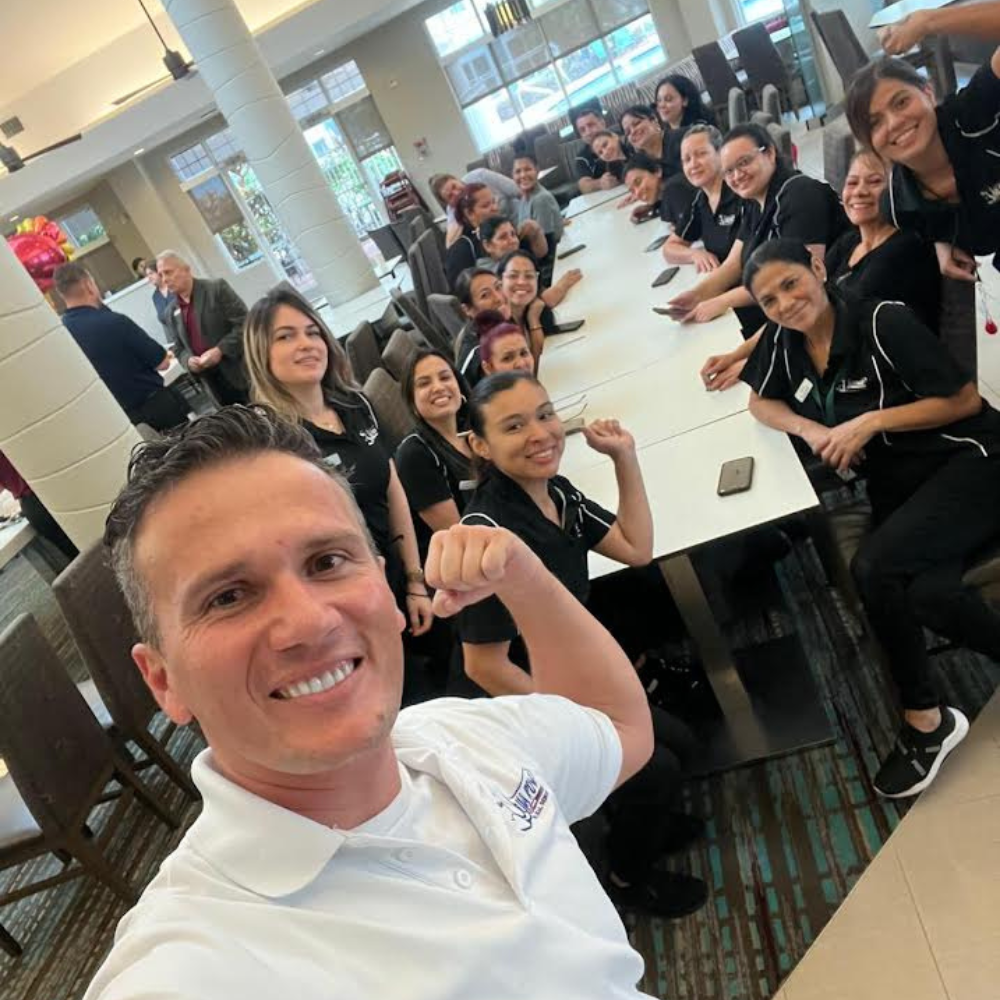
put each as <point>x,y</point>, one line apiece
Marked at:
<point>40,256</point>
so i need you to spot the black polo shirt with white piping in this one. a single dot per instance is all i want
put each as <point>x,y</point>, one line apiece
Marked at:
<point>715,228</point>
<point>969,126</point>
<point>563,547</point>
<point>881,357</point>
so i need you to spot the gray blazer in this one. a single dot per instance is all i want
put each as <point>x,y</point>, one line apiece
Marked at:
<point>221,314</point>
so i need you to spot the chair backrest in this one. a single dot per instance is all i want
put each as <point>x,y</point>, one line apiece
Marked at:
<point>418,275</point>
<point>838,148</point>
<point>387,241</point>
<point>759,57</point>
<point>433,262</point>
<point>385,395</point>
<point>958,324</point>
<point>770,103</point>
<point>447,314</point>
<point>363,351</point>
<point>399,352</point>
<point>716,71</point>
<point>738,112</point>
<point>103,629</point>
<point>407,304</point>
<point>50,740</point>
<point>403,232</point>
<point>841,42</point>
<point>782,139</point>
<point>547,150</point>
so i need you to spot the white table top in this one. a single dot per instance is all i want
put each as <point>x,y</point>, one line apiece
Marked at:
<point>13,538</point>
<point>172,373</point>
<point>629,363</point>
<point>585,202</point>
<point>904,8</point>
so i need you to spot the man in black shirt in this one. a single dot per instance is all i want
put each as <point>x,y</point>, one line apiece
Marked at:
<point>125,357</point>
<point>591,171</point>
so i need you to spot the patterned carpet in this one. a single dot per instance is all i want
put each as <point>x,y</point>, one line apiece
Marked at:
<point>786,839</point>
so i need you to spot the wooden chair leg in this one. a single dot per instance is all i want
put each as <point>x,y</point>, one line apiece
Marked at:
<point>159,753</point>
<point>144,795</point>
<point>97,865</point>
<point>9,943</point>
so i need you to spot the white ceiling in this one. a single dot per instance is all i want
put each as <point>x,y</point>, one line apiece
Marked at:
<point>41,38</point>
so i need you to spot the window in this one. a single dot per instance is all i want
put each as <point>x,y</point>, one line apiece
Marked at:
<point>83,226</point>
<point>573,50</point>
<point>757,10</point>
<point>343,81</point>
<point>307,100</point>
<point>191,162</point>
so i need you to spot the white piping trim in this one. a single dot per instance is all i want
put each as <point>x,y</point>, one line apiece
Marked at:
<point>981,132</point>
<point>770,367</point>
<point>371,412</point>
<point>892,197</point>
<point>599,520</point>
<point>963,440</point>
<point>881,393</point>
<point>690,218</point>
<point>476,513</point>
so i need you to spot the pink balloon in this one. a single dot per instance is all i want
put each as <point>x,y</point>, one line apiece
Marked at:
<point>39,254</point>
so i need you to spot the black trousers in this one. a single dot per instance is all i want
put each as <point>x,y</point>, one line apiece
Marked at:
<point>45,524</point>
<point>163,410</point>
<point>639,811</point>
<point>909,569</point>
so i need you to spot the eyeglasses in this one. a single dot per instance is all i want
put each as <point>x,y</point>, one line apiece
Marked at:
<point>743,162</point>
<point>521,275</point>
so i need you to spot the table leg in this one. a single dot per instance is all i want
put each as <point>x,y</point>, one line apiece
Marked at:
<point>778,713</point>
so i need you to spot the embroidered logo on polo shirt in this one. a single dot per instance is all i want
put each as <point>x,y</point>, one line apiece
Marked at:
<point>853,384</point>
<point>526,802</point>
<point>991,194</point>
<point>726,220</point>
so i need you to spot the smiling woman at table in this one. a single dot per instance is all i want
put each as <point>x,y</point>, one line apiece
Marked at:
<point>714,212</point>
<point>777,201</point>
<point>478,290</point>
<point>875,260</point>
<point>671,199</point>
<point>518,440</point>
<point>610,150</point>
<point>945,180</point>
<point>298,368</point>
<point>518,273</point>
<point>868,387</point>
<point>645,134</point>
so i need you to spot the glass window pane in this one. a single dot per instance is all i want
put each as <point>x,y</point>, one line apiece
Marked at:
<point>307,100</point>
<point>83,226</point>
<point>216,203</point>
<point>569,26</point>
<point>454,28</point>
<point>343,81</point>
<point>240,244</point>
<point>492,120</point>
<point>382,163</point>
<point>586,73</point>
<point>190,162</point>
<point>635,49</point>
<point>538,97</point>
<point>364,127</point>
<point>611,13</point>
<point>473,74</point>
<point>520,51</point>
<point>755,10</point>
<point>223,146</point>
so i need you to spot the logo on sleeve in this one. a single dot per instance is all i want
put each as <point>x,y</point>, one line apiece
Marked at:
<point>526,802</point>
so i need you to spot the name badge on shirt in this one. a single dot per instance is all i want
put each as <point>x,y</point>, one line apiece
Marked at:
<point>803,390</point>
<point>467,484</point>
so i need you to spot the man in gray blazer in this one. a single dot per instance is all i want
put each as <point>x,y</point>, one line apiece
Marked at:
<point>206,322</point>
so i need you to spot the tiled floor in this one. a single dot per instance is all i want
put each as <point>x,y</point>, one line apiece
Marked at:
<point>923,922</point>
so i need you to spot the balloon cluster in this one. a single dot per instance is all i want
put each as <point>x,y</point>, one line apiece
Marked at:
<point>41,246</point>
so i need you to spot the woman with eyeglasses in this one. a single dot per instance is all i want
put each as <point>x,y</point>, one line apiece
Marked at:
<point>872,260</point>
<point>777,201</point>
<point>714,213</point>
<point>869,389</point>
<point>518,273</point>
<point>945,161</point>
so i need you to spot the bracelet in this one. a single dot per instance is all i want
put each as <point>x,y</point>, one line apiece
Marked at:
<point>532,329</point>
<point>413,593</point>
<point>415,576</point>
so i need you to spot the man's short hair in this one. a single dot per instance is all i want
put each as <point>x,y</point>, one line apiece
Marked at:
<point>172,255</point>
<point>524,154</point>
<point>581,111</point>
<point>156,467</point>
<point>68,277</point>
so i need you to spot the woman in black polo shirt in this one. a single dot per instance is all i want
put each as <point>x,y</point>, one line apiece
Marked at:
<point>777,201</point>
<point>518,273</point>
<point>945,179</point>
<point>503,346</point>
<point>518,440</point>
<point>670,199</point>
<point>714,213</point>
<point>478,289</point>
<point>679,105</point>
<point>476,203</point>
<point>644,132</point>
<point>297,367</point>
<point>435,461</point>
<point>873,261</point>
<point>870,389</point>
<point>612,150</point>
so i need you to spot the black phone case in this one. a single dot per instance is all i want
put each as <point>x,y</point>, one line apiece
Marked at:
<point>570,327</point>
<point>656,244</point>
<point>571,251</point>
<point>665,277</point>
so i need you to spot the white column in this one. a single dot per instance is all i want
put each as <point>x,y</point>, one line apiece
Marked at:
<point>59,426</point>
<point>249,98</point>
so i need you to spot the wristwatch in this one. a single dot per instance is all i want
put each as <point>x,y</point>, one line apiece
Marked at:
<point>414,576</point>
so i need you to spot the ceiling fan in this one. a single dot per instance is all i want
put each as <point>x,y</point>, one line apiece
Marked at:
<point>176,65</point>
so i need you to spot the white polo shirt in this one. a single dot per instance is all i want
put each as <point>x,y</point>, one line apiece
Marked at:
<point>468,885</point>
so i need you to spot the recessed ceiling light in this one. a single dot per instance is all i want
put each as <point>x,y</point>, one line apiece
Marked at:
<point>139,151</point>
<point>320,52</point>
<point>14,218</point>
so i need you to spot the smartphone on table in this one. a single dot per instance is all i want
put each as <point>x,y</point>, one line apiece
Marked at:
<point>571,251</point>
<point>664,277</point>
<point>571,327</point>
<point>656,244</point>
<point>735,476</point>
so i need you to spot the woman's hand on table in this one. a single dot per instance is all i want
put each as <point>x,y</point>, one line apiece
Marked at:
<point>721,372</point>
<point>705,312</point>
<point>704,261</point>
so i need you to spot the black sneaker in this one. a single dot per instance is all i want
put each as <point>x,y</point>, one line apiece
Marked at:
<point>669,895</point>
<point>682,831</point>
<point>913,763</point>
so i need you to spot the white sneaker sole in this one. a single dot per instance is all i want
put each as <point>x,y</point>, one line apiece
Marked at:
<point>951,741</point>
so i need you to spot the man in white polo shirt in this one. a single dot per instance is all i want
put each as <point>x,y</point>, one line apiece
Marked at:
<point>345,848</point>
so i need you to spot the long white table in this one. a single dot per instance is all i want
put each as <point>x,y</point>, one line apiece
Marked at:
<point>642,368</point>
<point>585,202</point>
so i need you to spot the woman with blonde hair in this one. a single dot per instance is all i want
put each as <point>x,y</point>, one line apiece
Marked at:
<point>297,367</point>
